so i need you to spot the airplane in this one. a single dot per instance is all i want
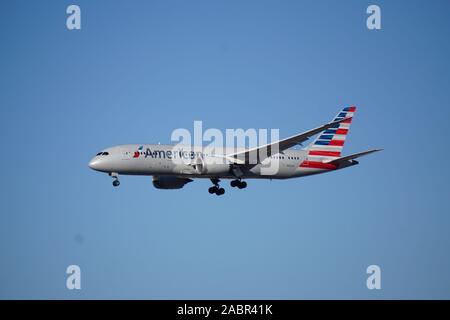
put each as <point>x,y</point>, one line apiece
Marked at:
<point>173,168</point>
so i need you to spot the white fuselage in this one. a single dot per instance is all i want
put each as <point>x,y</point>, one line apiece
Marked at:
<point>197,162</point>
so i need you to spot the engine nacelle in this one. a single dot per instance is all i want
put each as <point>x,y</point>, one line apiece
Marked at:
<point>209,167</point>
<point>169,182</point>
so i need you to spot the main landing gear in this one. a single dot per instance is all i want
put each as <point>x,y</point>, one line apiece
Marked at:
<point>238,183</point>
<point>216,188</point>
<point>115,177</point>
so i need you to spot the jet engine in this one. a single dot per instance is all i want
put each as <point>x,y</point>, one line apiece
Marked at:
<point>211,166</point>
<point>169,182</point>
<point>200,166</point>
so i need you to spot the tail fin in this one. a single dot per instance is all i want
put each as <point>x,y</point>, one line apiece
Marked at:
<point>330,142</point>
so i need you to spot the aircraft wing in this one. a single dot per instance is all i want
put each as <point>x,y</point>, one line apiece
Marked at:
<point>258,154</point>
<point>352,156</point>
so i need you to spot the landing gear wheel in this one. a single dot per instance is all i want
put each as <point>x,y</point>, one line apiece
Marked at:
<point>115,177</point>
<point>238,183</point>
<point>212,189</point>
<point>216,188</point>
<point>242,185</point>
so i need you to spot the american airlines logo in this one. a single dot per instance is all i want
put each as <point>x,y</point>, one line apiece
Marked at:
<point>169,154</point>
<point>138,152</point>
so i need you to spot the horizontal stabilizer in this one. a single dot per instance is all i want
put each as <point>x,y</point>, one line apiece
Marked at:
<point>352,156</point>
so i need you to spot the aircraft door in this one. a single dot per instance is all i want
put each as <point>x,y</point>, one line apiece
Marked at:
<point>126,155</point>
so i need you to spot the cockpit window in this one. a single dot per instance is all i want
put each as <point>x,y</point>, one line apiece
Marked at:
<point>98,154</point>
<point>106,153</point>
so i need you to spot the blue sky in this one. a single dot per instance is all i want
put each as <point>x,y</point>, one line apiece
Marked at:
<point>139,69</point>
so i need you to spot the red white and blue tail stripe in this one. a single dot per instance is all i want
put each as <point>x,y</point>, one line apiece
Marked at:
<point>329,144</point>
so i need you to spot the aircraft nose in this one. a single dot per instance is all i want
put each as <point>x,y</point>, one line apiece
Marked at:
<point>94,164</point>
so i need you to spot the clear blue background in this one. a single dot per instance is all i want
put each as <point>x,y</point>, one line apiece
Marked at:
<point>137,70</point>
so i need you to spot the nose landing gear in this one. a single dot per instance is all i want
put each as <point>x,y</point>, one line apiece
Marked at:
<point>115,177</point>
<point>216,188</point>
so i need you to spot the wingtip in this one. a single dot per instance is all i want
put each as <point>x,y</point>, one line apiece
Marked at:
<point>375,150</point>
